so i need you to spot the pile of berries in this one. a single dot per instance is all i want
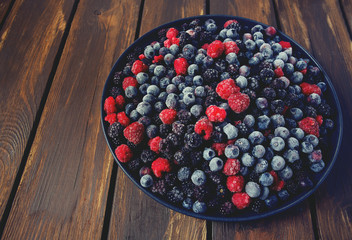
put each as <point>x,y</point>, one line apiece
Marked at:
<point>220,119</point>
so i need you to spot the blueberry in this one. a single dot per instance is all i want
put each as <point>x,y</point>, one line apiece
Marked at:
<point>187,203</point>
<point>149,52</point>
<point>225,106</point>
<point>207,61</point>
<point>252,189</point>
<point>297,77</point>
<point>265,193</point>
<point>208,154</point>
<point>231,131</point>
<point>259,43</point>
<point>307,147</point>
<point>142,78</point>
<point>177,80</point>
<point>163,51</point>
<point>322,86</point>
<point>296,113</point>
<point>208,21</point>
<point>189,80</point>
<point>311,139</point>
<point>269,153</point>
<point>247,160</point>
<point>144,108</point>
<point>288,69</point>
<point>250,45</point>
<point>169,59</point>
<point>129,107</point>
<point>198,177</point>
<point>162,96</point>
<point>258,151</point>
<point>249,120</point>
<point>232,151</point>
<point>182,86</point>
<point>216,164</point>
<point>223,33</point>
<point>263,122</point>
<point>297,133</point>
<point>291,155</point>
<point>189,51</point>
<point>253,61</point>
<point>174,49</point>
<point>152,131</point>
<point>241,82</point>
<point>198,80</point>
<point>196,110</point>
<point>261,103</point>
<point>172,101</point>
<point>231,58</point>
<point>286,173</point>
<point>156,46</point>
<point>187,90</point>
<point>231,33</point>
<point>184,174</point>
<point>277,144</point>
<point>153,90</point>
<point>171,88</point>
<point>199,91</point>
<point>257,35</point>
<point>271,201</point>
<point>154,80</point>
<point>257,28</point>
<point>146,181</point>
<point>211,27</point>
<point>164,82</point>
<point>160,71</point>
<point>151,68</point>
<point>131,92</point>
<point>149,98</point>
<point>283,56</point>
<point>199,58</point>
<point>256,137</point>
<point>318,166</point>
<point>267,53</point>
<point>283,195</point>
<point>261,166</point>
<point>199,207</point>
<point>266,179</point>
<point>292,143</point>
<point>276,47</point>
<point>277,120</point>
<point>278,163</point>
<point>189,99</point>
<point>301,65</point>
<point>193,70</point>
<point>282,132</point>
<point>244,171</point>
<point>264,46</point>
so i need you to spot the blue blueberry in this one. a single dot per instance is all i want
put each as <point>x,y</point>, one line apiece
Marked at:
<point>266,179</point>
<point>276,47</point>
<point>241,82</point>
<point>224,75</point>
<point>258,151</point>
<point>301,65</point>
<point>129,107</point>
<point>144,108</point>
<point>277,144</point>
<point>181,86</point>
<point>291,155</point>
<point>317,166</point>
<point>286,173</point>
<point>163,51</point>
<point>231,131</point>
<point>189,51</point>
<point>283,56</point>
<point>253,61</point>
<point>209,21</point>
<point>283,195</point>
<point>277,120</point>
<point>249,120</point>
<point>199,58</point>
<point>232,151</point>
<point>174,49</point>
<point>223,33</point>
<point>231,58</point>
<point>184,174</point>
<point>278,163</point>
<point>211,27</point>
<point>225,106</point>
<point>292,143</point>
<point>151,68</point>
<point>267,53</point>
<point>216,164</point>
<point>263,122</point>
<point>265,193</point>
<point>172,101</point>
<point>231,33</point>
<point>288,69</point>
<point>160,71</point>
<point>307,147</point>
<point>244,171</point>
<point>297,77</point>
<point>196,110</point>
<point>142,78</point>
<point>200,91</point>
<point>314,99</point>
<point>261,103</point>
<point>261,166</point>
<point>250,45</point>
<point>164,82</point>
<point>171,88</point>
<point>189,99</point>
<point>187,203</point>
<point>149,52</point>
<point>146,181</point>
<point>131,92</point>
<point>208,154</point>
<point>207,61</point>
<point>189,80</point>
<point>192,70</point>
<point>198,177</point>
<point>198,80</point>
<point>256,137</point>
<point>257,35</point>
<point>296,113</point>
<point>156,46</point>
<point>297,133</point>
<point>259,43</point>
<point>199,207</point>
<point>311,139</point>
<point>177,80</point>
<point>153,90</point>
<point>247,160</point>
<point>149,98</point>
<point>143,88</point>
<point>252,189</point>
<point>322,86</point>
<point>152,131</point>
<point>282,132</point>
<point>271,201</point>
<point>278,63</point>
<point>257,28</point>
<point>187,90</point>
<point>162,96</point>
<point>134,115</point>
<point>169,59</point>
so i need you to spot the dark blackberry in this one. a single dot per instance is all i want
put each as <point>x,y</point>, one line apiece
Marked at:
<point>214,203</point>
<point>195,23</point>
<point>178,128</point>
<point>277,83</point>
<point>166,146</point>
<point>156,120</point>
<point>187,188</point>
<point>297,165</point>
<point>205,167</point>
<point>232,69</point>
<point>290,123</point>
<point>216,177</point>
<point>201,193</point>
<point>253,177</point>
<point>227,208</point>
<point>310,111</point>
<point>184,38</point>
<point>170,179</point>
<point>131,145</point>
<point>221,191</point>
<point>253,83</point>
<point>210,101</point>
<point>181,158</point>
<point>164,130</point>
<point>118,78</point>
<point>196,158</point>
<point>291,99</point>
<point>218,137</point>
<point>175,139</point>
<point>269,93</point>
<point>235,25</point>
<point>147,155</point>
<point>115,130</point>
<point>190,128</point>
<point>131,57</point>
<point>184,116</point>
<point>220,65</point>
<point>185,26</point>
<point>210,75</point>
<point>281,93</point>
<point>277,106</point>
<point>251,94</point>
<point>175,195</point>
<point>159,187</point>
<point>291,186</point>
<point>115,91</point>
<point>265,64</point>
<point>205,37</point>
<point>193,140</point>
<point>258,206</point>
<point>134,164</point>
<point>266,75</point>
<point>145,120</point>
<point>118,140</point>
<point>162,33</point>
<point>324,109</point>
<point>242,129</point>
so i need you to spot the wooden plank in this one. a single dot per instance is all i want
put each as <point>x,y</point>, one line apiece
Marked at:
<point>64,188</point>
<point>135,215</point>
<point>27,54</point>
<point>4,6</point>
<point>323,25</point>
<point>293,224</point>
<point>347,8</point>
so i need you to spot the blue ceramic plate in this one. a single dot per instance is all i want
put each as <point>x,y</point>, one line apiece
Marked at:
<point>331,96</point>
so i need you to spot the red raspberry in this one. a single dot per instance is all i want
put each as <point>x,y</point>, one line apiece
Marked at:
<point>129,81</point>
<point>181,66</point>
<point>308,89</point>
<point>154,144</point>
<point>232,167</point>
<point>277,184</point>
<point>110,105</point>
<point>176,41</point>
<point>138,66</point>
<point>241,200</point>
<point>168,116</point>
<point>111,118</point>
<point>134,133</point>
<point>309,125</point>
<point>160,165</point>
<point>235,183</point>
<point>158,58</point>
<point>167,43</point>
<point>270,31</point>
<point>171,33</point>
<point>227,87</point>
<point>215,49</point>
<point>319,119</point>
<point>141,56</point>
<point>123,119</point>
<point>215,113</point>
<point>285,45</point>
<point>205,46</point>
<point>239,102</point>
<point>304,71</point>
<point>231,47</point>
<point>229,22</point>
<point>120,102</point>
<point>123,153</point>
<point>278,72</point>
<point>219,148</point>
<point>204,127</point>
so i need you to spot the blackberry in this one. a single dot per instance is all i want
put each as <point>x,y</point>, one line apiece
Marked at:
<point>195,23</point>
<point>227,208</point>
<point>269,93</point>
<point>162,33</point>
<point>214,203</point>
<point>205,167</point>
<point>175,195</point>
<point>147,155</point>
<point>205,37</point>
<point>221,191</point>
<point>277,84</point>
<point>166,146</point>
<point>297,165</point>
<point>220,65</point>
<point>211,92</point>
<point>178,128</point>
<point>281,93</point>
<point>210,75</point>
<point>253,83</point>
<point>134,164</point>
<point>210,101</point>
<point>253,177</point>
<point>193,140</point>
<point>201,193</point>
<point>310,111</point>
<point>266,75</point>
<point>181,158</point>
<point>242,129</point>
<point>232,69</point>
<point>156,120</point>
<point>277,106</point>
<point>131,145</point>
<point>184,116</point>
<point>187,188</point>
<point>159,187</point>
<point>258,206</point>
<point>235,26</point>
<point>115,91</point>
<point>218,137</point>
<point>170,179</point>
<point>216,177</point>
<point>251,94</point>
<point>291,186</point>
<point>118,78</point>
<point>190,128</point>
<point>197,158</point>
<point>184,38</point>
<point>164,130</point>
<point>118,140</point>
<point>291,99</point>
<point>324,110</point>
<point>115,130</point>
<point>265,64</point>
<point>175,139</point>
<point>131,57</point>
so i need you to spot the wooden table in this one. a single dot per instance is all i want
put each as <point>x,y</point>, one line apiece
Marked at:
<point>58,179</point>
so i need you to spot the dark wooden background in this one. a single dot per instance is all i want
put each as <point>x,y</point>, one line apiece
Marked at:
<point>58,179</point>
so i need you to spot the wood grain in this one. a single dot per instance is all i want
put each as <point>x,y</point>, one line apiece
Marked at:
<point>329,41</point>
<point>293,224</point>
<point>347,8</point>
<point>27,54</point>
<point>4,6</point>
<point>135,215</point>
<point>64,188</point>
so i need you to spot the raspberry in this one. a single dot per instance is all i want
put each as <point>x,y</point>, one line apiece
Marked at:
<point>219,148</point>
<point>154,144</point>
<point>232,167</point>
<point>160,165</point>
<point>270,31</point>
<point>278,184</point>
<point>111,118</point>
<point>241,200</point>
<point>158,58</point>
<point>231,47</point>
<point>319,119</point>
<point>120,102</point>
<point>215,49</point>
<point>181,65</point>
<point>308,89</point>
<point>123,153</point>
<point>129,81</point>
<point>134,132</point>
<point>285,45</point>
<point>239,102</point>
<point>168,116</point>
<point>227,87</point>
<point>216,114</point>
<point>138,66</point>
<point>175,40</point>
<point>204,127</point>
<point>278,72</point>
<point>167,43</point>
<point>110,105</point>
<point>171,33</point>
<point>123,119</point>
<point>229,22</point>
<point>235,183</point>
<point>309,125</point>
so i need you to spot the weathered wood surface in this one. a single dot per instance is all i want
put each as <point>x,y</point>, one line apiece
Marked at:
<point>63,191</point>
<point>4,6</point>
<point>323,31</point>
<point>27,55</point>
<point>346,6</point>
